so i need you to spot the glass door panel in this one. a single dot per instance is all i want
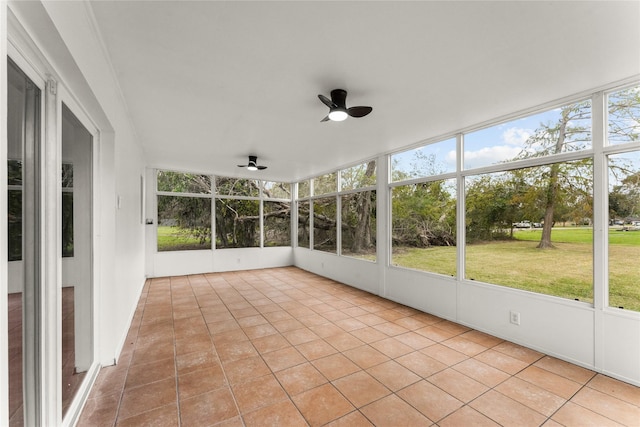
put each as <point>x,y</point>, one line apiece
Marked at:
<point>76,231</point>
<point>23,130</point>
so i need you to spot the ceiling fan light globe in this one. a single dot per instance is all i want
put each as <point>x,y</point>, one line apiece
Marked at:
<point>337,115</point>
<point>252,168</point>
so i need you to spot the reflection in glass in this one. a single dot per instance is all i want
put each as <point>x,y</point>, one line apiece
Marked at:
<point>624,230</point>
<point>23,263</point>
<point>76,233</point>
<point>532,229</point>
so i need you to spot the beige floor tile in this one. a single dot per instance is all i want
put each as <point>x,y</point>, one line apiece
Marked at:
<point>283,346</point>
<point>615,388</point>
<point>270,343</point>
<point>283,413</point>
<point>147,397</point>
<point>467,416</point>
<point>421,364</point>
<point>414,340</point>
<point>458,385</point>
<point>431,401</point>
<point>444,354</point>
<point>517,351</point>
<point>361,388</point>
<point>608,406</point>
<point>353,419</point>
<point>246,369</point>
<point>393,375</point>
<point>464,346</point>
<point>208,408</point>
<point>481,372</point>
<point>549,381</point>
<point>201,381</point>
<point>235,351</point>
<point>343,341</point>
<point>283,358</point>
<point>165,416</point>
<point>365,356</point>
<point>506,411</point>
<point>576,415</point>
<point>391,411</point>
<point>502,361</point>
<point>368,335</point>
<point>392,347</point>
<point>257,393</point>
<point>530,395</point>
<point>300,378</point>
<point>565,369</point>
<point>322,404</point>
<point>335,366</point>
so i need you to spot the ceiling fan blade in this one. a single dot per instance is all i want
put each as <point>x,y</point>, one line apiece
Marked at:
<point>359,111</point>
<point>326,119</point>
<point>261,167</point>
<point>242,166</point>
<point>326,101</point>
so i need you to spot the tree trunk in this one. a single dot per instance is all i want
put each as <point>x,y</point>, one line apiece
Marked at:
<point>362,233</point>
<point>552,188</point>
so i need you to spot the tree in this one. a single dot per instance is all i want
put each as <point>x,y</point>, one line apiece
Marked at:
<point>361,206</point>
<point>570,132</point>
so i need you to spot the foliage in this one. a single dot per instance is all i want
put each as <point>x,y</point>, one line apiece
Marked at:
<point>359,222</point>
<point>304,222</point>
<point>424,214</point>
<point>277,223</point>
<point>237,213</point>
<point>325,224</point>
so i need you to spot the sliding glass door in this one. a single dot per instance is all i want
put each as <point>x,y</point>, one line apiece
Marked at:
<point>23,264</point>
<point>50,253</point>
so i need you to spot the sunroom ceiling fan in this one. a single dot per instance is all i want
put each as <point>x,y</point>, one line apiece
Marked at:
<point>338,110</point>
<point>253,164</point>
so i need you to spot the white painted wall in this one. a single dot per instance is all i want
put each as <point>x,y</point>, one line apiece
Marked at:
<point>357,273</point>
<point>192,262</point>
<point>561,328</point>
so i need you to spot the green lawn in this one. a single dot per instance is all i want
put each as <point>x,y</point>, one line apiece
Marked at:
<point>566,271</point>
<point>176,239</point>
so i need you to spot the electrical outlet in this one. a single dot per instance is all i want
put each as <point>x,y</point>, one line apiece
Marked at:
<point>514,317</point>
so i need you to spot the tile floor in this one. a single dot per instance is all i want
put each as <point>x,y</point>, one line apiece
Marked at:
<point>284,347</point>
<point>71,380</point>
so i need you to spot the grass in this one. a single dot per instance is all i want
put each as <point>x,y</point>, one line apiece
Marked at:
<point>176,239</point>
<point>566,271</point>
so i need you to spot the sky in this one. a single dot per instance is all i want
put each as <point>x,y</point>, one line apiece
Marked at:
<point>485,147</point>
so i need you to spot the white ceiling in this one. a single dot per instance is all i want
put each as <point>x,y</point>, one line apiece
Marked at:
<point>209,82</point>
